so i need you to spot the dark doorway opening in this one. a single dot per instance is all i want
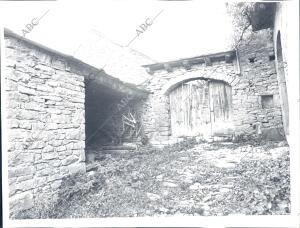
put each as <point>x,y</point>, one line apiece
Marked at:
<point>109,108</point>
<point>100,104</point>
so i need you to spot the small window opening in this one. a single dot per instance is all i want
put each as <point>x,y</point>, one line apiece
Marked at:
<point>272,57</point>
<point>267,101</point>
<point>252,60</point>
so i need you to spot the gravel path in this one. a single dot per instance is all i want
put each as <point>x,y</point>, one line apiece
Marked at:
<point>207,179</point>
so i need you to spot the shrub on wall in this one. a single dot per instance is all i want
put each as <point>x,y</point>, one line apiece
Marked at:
<point>47,207</point>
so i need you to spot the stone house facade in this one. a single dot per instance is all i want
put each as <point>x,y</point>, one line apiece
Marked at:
<point>250,75</point>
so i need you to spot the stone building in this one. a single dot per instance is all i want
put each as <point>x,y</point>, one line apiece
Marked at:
<point>281,20</point>
<point>54,104</point>
<point>57,105</point>
<point>219,95</point>
<point>276,16</point>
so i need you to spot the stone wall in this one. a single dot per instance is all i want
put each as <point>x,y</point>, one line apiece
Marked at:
<point>287,14</point>
<point>280,31</point>
<point>156,117</point>
<point>54,103</point>
<point>258,81</point>
<point>45,122</point>
<point>255,96</point>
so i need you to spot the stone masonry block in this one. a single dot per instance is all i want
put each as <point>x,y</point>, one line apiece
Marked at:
<point>21,201</point>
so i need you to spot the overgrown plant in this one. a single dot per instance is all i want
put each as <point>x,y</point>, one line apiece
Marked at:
<point>240,13</point>
<point>72,185</point>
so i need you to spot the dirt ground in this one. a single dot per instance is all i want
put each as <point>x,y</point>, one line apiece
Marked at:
<point>207,179</point>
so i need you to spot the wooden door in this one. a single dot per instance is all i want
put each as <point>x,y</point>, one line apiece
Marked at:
<point>189,106</point>
<point>200,107</point>
<point>220,105</point>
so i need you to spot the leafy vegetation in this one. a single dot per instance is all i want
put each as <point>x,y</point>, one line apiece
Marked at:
<point>240,13</point>
<point>207,179</point>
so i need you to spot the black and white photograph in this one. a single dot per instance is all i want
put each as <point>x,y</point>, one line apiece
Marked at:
<point>179,111</point>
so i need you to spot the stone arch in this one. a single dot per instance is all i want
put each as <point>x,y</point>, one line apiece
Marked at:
<point>173,83</point>
<point>282,83</point>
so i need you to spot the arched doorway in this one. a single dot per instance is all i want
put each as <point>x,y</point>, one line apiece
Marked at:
<point>282,85</point>
<point>201,107</point>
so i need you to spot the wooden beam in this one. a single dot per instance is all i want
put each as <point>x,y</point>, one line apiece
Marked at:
<point>207,61</point>
<point>149,70</point>
<point>186,64</point>
<point>168,67</point>
<point>228,58</point>
<point>195,61</point>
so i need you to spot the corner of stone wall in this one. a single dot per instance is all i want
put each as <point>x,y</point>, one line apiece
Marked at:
<point>258,84</point>
<point>45,123</point>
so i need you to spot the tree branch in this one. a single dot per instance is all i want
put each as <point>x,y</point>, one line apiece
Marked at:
<point>242,34</point>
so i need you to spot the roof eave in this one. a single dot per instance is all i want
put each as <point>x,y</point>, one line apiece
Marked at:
<point>186,62</point>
